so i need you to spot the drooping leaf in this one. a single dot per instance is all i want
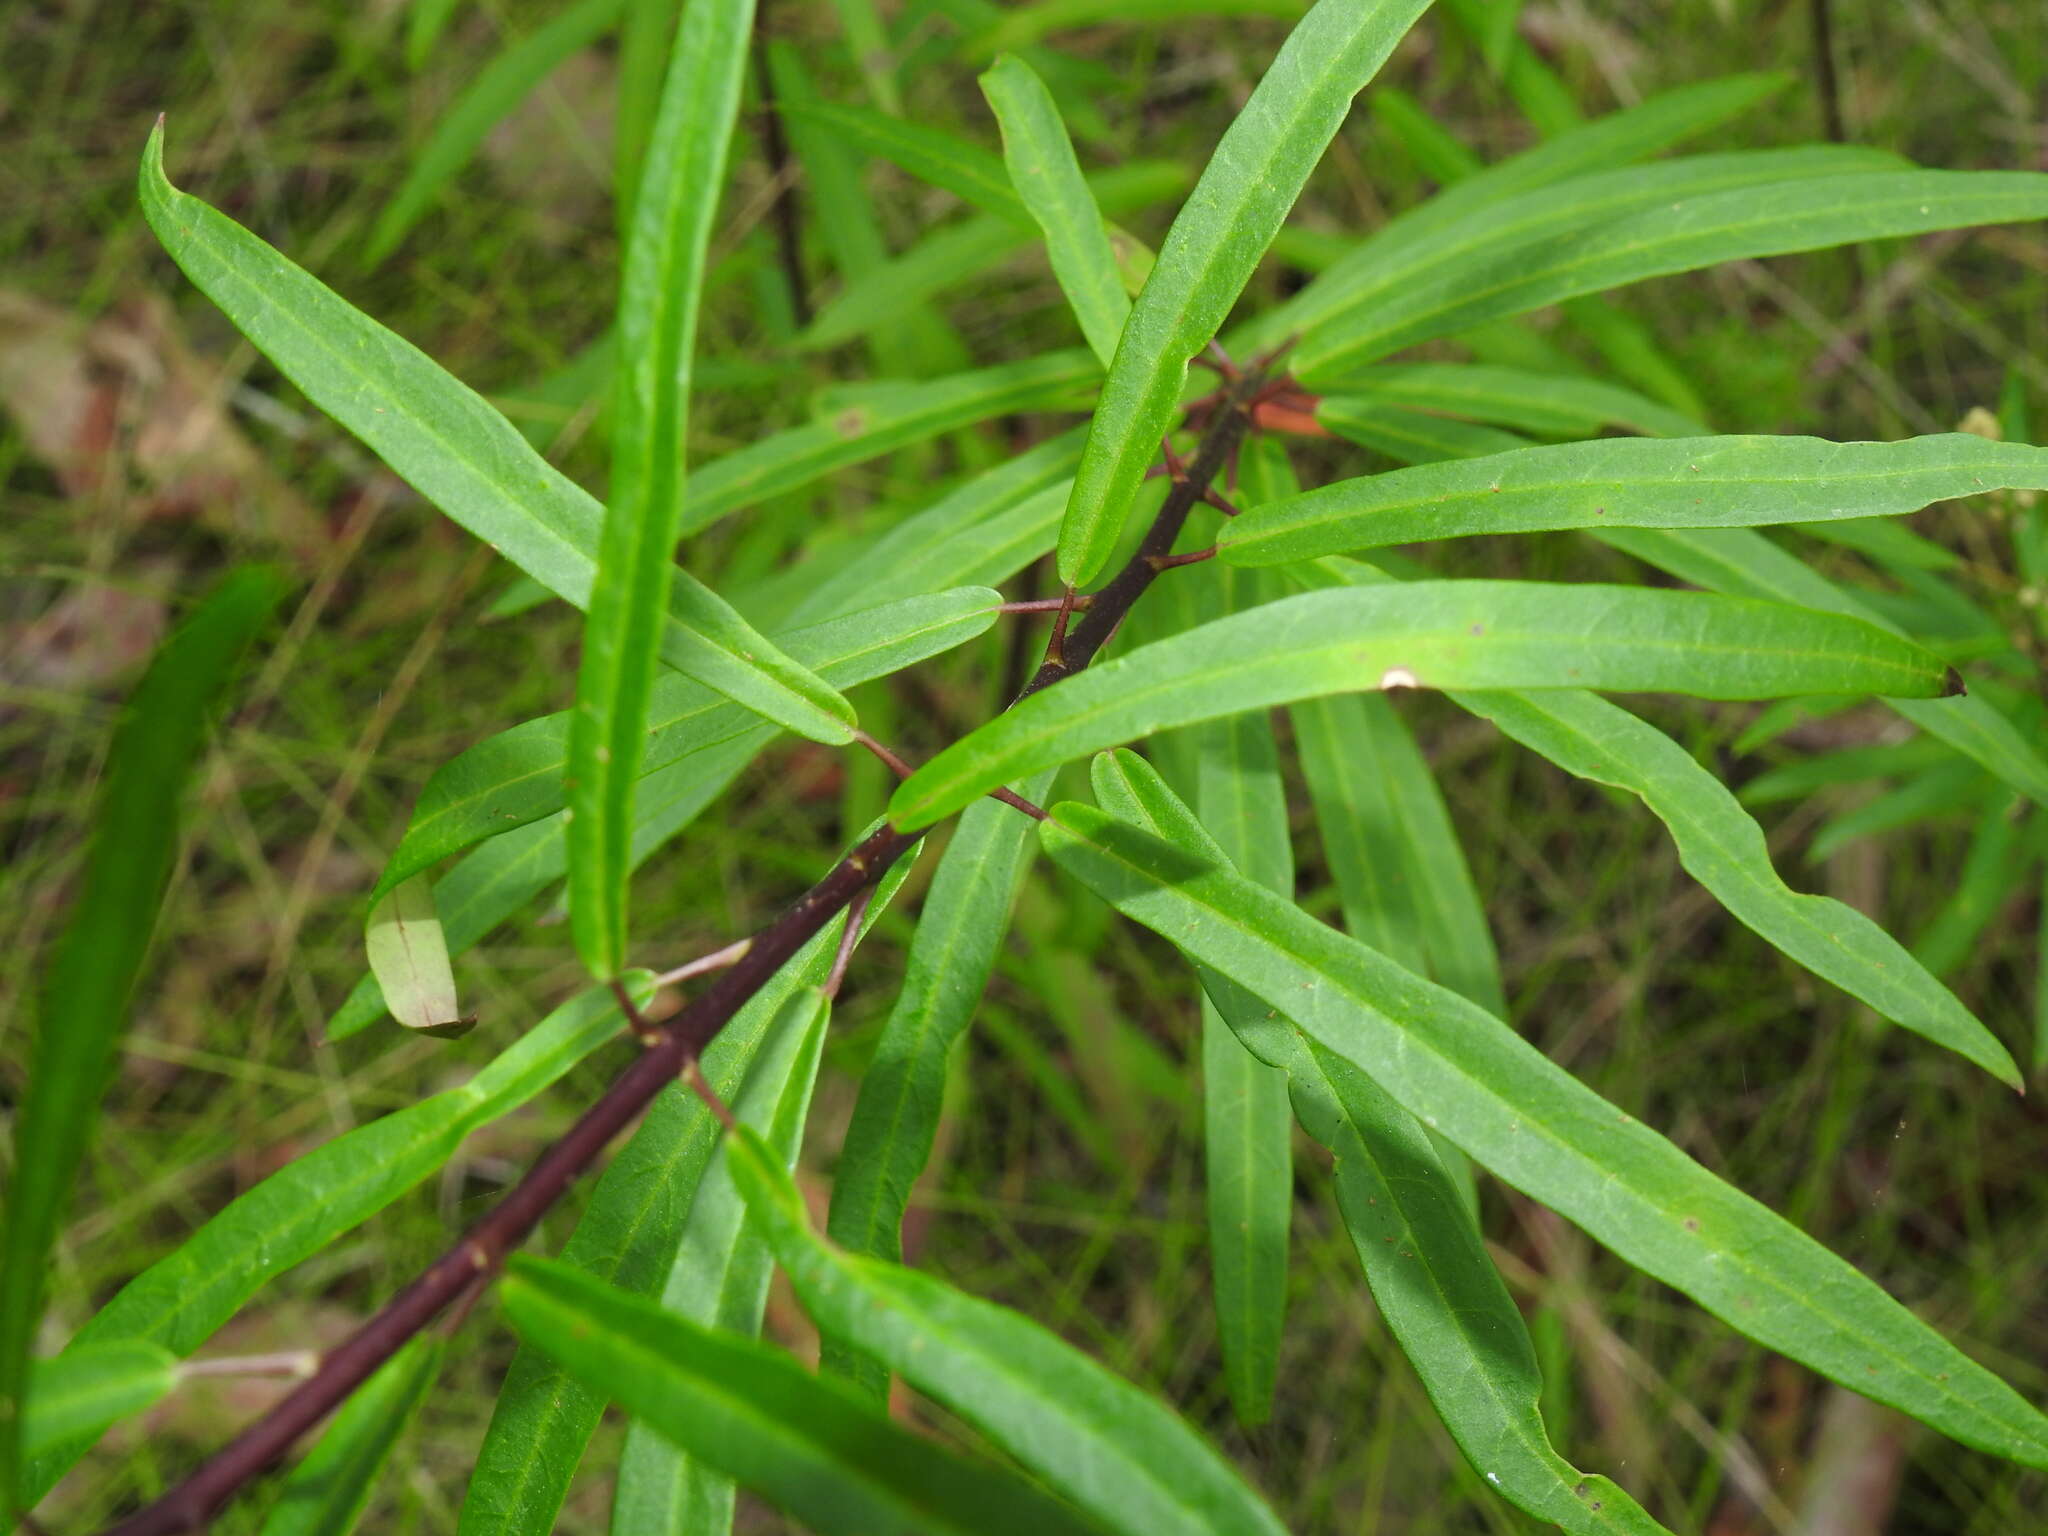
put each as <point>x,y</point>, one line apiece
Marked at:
<point>1244,193</point>
<point>896,1118</point>
<point>628,1238</point>
<point>1117,1453</point>
<point>77,1394</point>
<point>502,84</point>
<point>1042,167</point>
<point>1468,1075</point>
<point>810,1445</point>
<point>407,953</point>
<point>1410,1219</point>
<point>1450,634</point>
<point>1549,404</point>
<point>451,446</point>
<point>1632,482</point>
<point>83,1007</point>
<point>720,1277</point>
<point>326,1493</point>
<point>665,254</point>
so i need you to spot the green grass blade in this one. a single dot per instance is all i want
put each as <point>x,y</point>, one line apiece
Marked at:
<point>720,1276</point>
<point>179,1301</point>
<point>1606,143</point>
<point>1113,1450</point>
<point>628,1238</point>
<point>1723,848</point>
<point>1984,883</point>
<point>1247,1127</point>
<point>876,419</point>
<point>408,954</point>
<point>810,1445</point>
<point>1449,634</point>
<point>79,1393</point>
<point>83,1008</point>
<point>1048,178</point>
<point>966,170</point>
<point>503,83</point>
<point>516,777</point>
<point>1244,193</point>
<point>1548,404</point>
<point>1633,482</point>
<point>896,1117</point>
<point>425,20</point>
<point>1517,267</point>
<point>1746,564</point>
<point>1469,1076</point>
<point>1409,1215</point>
<point>326,1493</point>
<point>443,439</point>
<point>665,254</point>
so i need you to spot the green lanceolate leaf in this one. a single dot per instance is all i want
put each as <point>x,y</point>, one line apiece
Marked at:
<point>1247,1127</point>
<point>326,1493</point>
<point>896,1118</point>
<point>454,449</point>
<point>1632,482</point>
<point>1523,265</point>
<point>810,1445</point>
<point>875,419</point>
<point>408,955</point>
<point>720,1276</point>
<point>1747,564</point>
<point>1048,178</point>
<point>1244,193</point>
<point>81,1392</point>
<point>1410,1220</point>
<point>1410,436</point>
<point>503,83</point>
<point>1442,634</point>
<point>1117,1453</point>
<point>966,170</point>
<point>1723,848</point>
<point>517,776</point>
<point>628,1238</point>
<point>1548,404</point>
<point>665,253</point>
<point>179,1301</point>
<point>83,1008</point>
<point>1469,1076</point>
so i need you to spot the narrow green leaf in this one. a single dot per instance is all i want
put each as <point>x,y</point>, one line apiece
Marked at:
<point>1982,886</point>
<point>1746,564</point>
<point>454,449</point>
<point>629,597</point>
<point>1018,26</point>
<point>183,1298</point>
<point>1406,435</point>
<point>517,776</point>
<point>83,1008</point>
<point>81,1392</point>
<point>1722,848</point>
<point>1603,144</point>
<point>628,1237</point>
<point>643,54</point>
<point>896,1118</point>
<point>425,20</point>
<point>408,955</point>
<point>945,160</point>
<point>1633,482</point>
<point>1523,266</point>
<point>1244,193</point>
<point>1549,404</point>
<point>867,39</point>
<point>1450,634</point>
<point>720,1276</point>
<point>1048,178</point>
<point>1411,1220</point>
<point>1438,154</point>
<point>1247,1127</point>
<point>876,420</point>
<point>1516,1112</point>
<point>1113,1450</point>
<point>326,1493</point>
<point>502,84</point>
<point>809,1445</point>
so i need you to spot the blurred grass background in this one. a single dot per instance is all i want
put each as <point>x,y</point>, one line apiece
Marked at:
<point>144,445</point>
